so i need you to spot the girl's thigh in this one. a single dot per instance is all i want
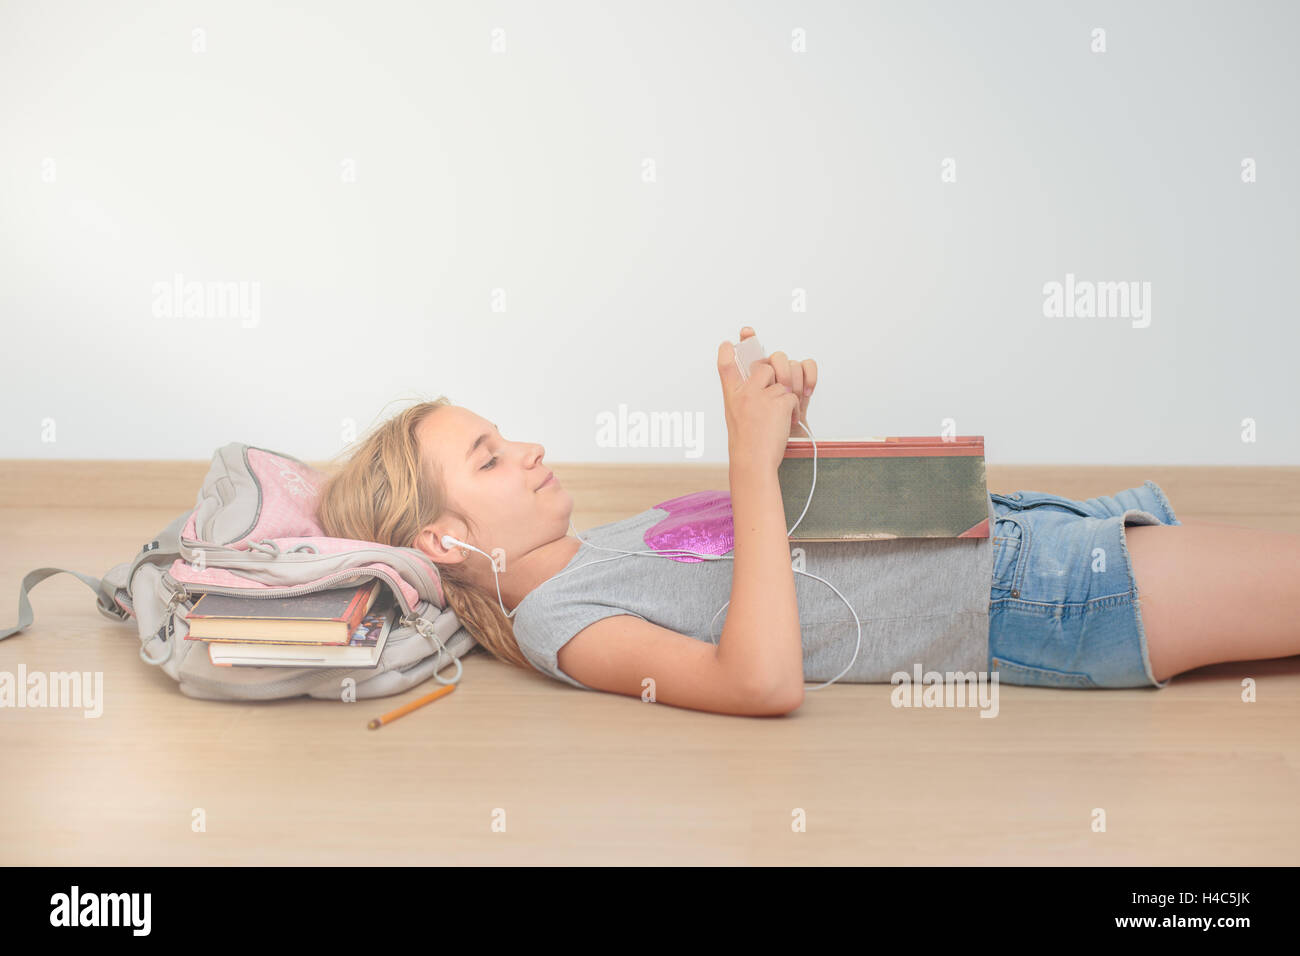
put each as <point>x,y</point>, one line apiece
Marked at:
<point>1213,593</point>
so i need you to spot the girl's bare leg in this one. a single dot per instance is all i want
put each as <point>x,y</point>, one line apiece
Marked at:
<point>1212,593</point>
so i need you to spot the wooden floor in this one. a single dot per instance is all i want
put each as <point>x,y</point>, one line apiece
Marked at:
<point>1185,775</point>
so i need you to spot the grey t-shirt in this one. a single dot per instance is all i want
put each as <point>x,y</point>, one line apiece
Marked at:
<point>921,600</point>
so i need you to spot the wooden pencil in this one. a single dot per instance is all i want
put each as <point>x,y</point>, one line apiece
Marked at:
<point>407,708</point>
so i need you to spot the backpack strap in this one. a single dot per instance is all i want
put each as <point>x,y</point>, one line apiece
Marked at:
<point>164,549</point>
<point>33,578</point>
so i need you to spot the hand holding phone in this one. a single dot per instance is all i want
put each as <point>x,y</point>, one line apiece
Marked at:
<point>799,376</point>
<point>758,407</point>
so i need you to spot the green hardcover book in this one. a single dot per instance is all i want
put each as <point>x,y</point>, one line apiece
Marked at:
<point>909,487</point>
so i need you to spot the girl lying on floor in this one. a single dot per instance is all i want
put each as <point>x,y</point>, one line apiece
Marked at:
<point>1030,602</point>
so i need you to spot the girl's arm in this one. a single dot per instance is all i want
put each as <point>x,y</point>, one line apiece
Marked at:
<point>761,643</point>
<point>757,667</point>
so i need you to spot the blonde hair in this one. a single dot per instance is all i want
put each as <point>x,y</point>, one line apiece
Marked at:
<point>386,492</point>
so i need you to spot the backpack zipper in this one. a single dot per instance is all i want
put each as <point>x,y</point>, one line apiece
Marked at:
<point>237,557</point>
<point>326,583</point>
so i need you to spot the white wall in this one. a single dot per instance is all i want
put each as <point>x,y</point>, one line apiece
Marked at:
<point>128,157</point>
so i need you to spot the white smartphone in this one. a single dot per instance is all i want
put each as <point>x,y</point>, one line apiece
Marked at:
<point>748,351</point>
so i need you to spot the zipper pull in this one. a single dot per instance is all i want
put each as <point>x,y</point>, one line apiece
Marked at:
<point>168,629</point>
<point>423,627</point>
<point>181,594</point>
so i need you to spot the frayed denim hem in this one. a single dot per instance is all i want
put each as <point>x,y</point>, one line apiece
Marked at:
<point>1137,596</point>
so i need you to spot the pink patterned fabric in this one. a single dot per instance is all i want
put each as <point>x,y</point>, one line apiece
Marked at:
<point>287,518</point>
<point>700,522</point>
<point>289,495</point>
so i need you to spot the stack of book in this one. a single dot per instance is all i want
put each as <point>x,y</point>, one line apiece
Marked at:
<point>340,627</point>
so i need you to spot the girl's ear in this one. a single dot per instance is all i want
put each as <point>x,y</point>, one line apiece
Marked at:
<point>429,541</point>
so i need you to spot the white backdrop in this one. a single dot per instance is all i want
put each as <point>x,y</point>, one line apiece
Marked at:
<point>551,211</point>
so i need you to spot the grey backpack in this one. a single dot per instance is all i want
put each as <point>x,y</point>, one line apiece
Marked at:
<point>253,532</point>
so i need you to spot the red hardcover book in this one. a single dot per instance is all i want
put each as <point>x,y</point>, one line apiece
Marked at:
<point>322,617</point>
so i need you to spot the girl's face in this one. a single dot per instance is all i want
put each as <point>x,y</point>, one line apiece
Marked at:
<point>503,486</point>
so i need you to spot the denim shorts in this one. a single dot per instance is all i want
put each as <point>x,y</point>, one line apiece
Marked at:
<point>1063,609</point>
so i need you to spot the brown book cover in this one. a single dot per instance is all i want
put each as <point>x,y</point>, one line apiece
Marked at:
<point>322,617</point>
<point>905,487</point>
<point>362,650</point>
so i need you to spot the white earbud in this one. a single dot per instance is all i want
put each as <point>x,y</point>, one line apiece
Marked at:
<point>449,542</point>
